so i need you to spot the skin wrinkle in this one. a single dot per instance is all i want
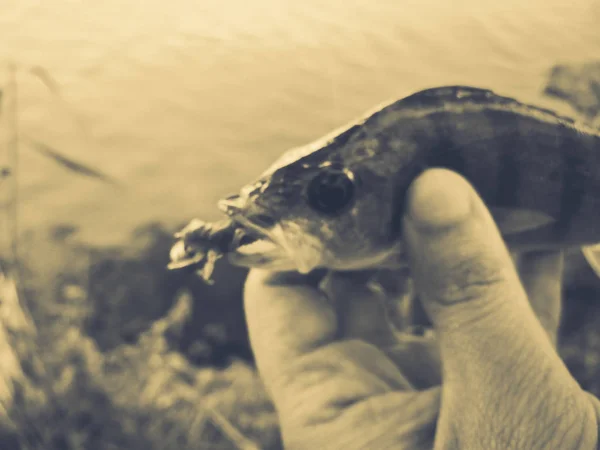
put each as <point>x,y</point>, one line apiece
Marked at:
<point>570,422</point>
<point>469,290</point>
<point>382,409</point>
<point>513,381</point>
<point>325,376</point>
<point>329,411</point>
<point>523,383</point>
<point>366,409</point>
<point>579,442</point>
<point>478,350</point>
<point>531,383</point>
<point>560,433</point>
<point>476,280</point>
<point>466,315</point>
<point>489,414</point>
<point>357,410</point>
<point>590,428</point>
<point>534,400</point>
<point>562,415</point>
<point>511,434</point>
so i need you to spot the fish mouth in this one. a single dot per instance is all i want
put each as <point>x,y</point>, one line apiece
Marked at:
<point>254,243</point>
<point>263,242</point>
<point>256,248</point>
<point>270,249</point>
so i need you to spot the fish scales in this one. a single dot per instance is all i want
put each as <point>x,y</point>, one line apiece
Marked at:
<point>338,202</point>
<point>515,155</point>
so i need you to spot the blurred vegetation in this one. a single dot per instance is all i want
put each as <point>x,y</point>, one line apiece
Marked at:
<point>111,332</point>
<point>103,348</point>
<point>84,387</point>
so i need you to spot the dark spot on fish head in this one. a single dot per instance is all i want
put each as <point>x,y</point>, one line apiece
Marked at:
<point>275,197</point>
<point>331,191</point>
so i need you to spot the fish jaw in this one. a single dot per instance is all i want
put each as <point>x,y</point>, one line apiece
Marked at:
<point>278,244</point>
<point>274,260</point>
<point>263,252</point>
<point>272,249</point>
<point>267,254</point>
<point>304,250</point>
<point>244,244</point>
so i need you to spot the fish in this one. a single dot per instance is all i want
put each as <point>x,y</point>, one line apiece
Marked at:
<point>338,202</point>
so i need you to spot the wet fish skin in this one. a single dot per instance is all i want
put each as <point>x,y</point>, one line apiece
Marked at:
<point>520,159</point>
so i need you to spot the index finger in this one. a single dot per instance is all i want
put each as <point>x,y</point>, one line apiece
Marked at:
<point>288,316</point>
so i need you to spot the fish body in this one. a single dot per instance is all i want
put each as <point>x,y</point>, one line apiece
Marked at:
<point>338,203</point>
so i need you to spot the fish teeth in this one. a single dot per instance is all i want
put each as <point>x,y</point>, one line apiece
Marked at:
<point>237,238</point>
<point>260,246</point>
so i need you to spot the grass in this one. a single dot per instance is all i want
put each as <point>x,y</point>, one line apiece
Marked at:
<point>138,392</point>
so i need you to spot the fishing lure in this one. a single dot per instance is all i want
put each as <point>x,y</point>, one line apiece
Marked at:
<point>338,203</point>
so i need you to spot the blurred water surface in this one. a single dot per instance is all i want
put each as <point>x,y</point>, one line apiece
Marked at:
<point>183,101</point>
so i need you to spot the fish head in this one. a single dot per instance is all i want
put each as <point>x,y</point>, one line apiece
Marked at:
<point>334,207</point>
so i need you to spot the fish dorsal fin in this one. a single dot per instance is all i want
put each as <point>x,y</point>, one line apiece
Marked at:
<point>517,220</point>
<point>440,96</point>
<point>592,256</point>
<point>425,101</point>
<point>457,91</point>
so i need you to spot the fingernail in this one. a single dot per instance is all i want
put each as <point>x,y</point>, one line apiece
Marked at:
<point>438,199</point>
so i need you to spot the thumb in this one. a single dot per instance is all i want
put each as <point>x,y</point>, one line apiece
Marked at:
<point>491,342</point>
<point>461,266</point>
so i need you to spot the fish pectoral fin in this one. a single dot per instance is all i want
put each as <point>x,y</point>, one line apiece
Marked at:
<point>592,256</point>
<point>516,220</point>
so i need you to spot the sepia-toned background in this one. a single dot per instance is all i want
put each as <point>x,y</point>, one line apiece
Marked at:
<point>181,103</point>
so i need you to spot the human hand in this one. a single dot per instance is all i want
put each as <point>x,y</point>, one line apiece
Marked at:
<point>340,378</point>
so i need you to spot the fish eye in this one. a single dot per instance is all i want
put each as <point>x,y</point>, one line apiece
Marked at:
<point>331,191</point>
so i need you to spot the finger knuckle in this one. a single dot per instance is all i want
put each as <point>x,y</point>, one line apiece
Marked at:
<point>470,280</point>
